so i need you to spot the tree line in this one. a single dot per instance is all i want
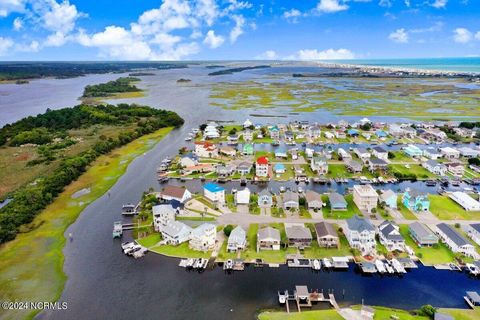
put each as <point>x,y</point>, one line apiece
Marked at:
<point>107,89</point>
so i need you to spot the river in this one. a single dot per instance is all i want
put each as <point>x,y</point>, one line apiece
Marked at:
<point>104,283</point>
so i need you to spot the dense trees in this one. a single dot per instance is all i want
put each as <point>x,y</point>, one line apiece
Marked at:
<point>30,200</point>
<point>111,87</point>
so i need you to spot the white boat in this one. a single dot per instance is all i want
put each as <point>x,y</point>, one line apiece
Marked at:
<point>473,269</point>
<point>197,263</point>
<point>188,138</point>
<point>203,263</point>
<point>127,245</point>
<point>389,268</point>
<point>327,263</point>
<point>282,298</point>
<point>380,266</point>
<point>316,264</point>
<point>228,265</point>
<point>398,266</point>
<point>132,250</point>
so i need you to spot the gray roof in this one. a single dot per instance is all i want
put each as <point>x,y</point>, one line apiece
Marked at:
<point>359,224</point>
<point>421,230</point>
<point>432,163</point>
<point>475,226</point>
<point>162,209</point>
<point>387,194</point>
<point>265,192</point>
<point>325,229</point>
<point>268,232</point>
<point>290,196</point>
<point>387,228</point>
<point>237,235</point>
<point>452,234</point>
<point>377,161</point>
<point>298,232</point>
<point>174,228</point>
<point>337,199</point>
<point>380,149</point>
<point>313,196</point>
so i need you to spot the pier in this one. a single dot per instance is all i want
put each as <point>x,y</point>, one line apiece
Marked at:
<point>303,298</point>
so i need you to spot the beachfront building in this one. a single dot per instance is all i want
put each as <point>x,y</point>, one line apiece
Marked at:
<point>473,231</point>
<point>413,151</point>
<point>454,240</point>
<point>450,153</point>
<point>203,237</point>
<point>435,167</point>
<point>456,168</point>
<point>175,233</point>
<point>265,199</point>
<point>327,236</point>
<point>268,238</point>
<point>465,201</point>
<point>389,198</point>
<point>422,235</point>
<point>211,131</point>
<point>380,153</point>
<point>298,235</point>
<point>360,234</point>
<point>262,167</point>
<point>365,197</point>
<point>416,201</point>
<point>390,237</point>
<point>162,215</point>
<point>180,194</point>
<point>242,197</point>
<point>313,200</point>
<point>237,240</point>
<point>319,165</point>
<point>214,193</point>
<point>337,202</point>
<point>290,200</point>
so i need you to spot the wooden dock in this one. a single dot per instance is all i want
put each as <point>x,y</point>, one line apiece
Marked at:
<point>303,298</point>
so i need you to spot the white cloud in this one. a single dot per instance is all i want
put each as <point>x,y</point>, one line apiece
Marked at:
<point>56,39</point>
<point>399,35</point>
<point>33,46</point>
<point>330,6</point>
<point>17,24</point>
<point>267,55</point>
<point>238,28</point>
<point>292,15</point>
<point>439,4</point>
<point>329,54</point>
<point>462,35</point>
<point>212,40</point>
<point>61,17</point>
<point>385,3</point>
<point>5,45</point>
<point>9,6</point>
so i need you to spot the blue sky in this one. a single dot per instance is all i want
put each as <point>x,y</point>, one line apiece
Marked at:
<point>235,29</point>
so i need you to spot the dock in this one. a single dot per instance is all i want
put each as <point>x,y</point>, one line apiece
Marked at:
<point>340,262</point>
<point>304,298</point>
<point>299,263</point>
<point>368,267</point>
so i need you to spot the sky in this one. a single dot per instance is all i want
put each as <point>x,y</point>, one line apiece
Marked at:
<point>235,29</point>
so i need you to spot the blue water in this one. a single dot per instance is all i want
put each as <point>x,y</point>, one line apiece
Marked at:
<point>468,64</point>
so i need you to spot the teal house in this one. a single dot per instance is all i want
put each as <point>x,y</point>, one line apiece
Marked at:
<point>413,151</point>
<point>247,149</point>
<point>416,201</point>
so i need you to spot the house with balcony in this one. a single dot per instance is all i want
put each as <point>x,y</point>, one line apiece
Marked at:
<point>416,201</point>
<point>360,234</point>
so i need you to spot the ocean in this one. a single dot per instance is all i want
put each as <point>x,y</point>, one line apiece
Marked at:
<point>467,64</point>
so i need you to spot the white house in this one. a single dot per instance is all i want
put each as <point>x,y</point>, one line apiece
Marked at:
<point>175,233</point>
<point>247,123</point>
<point>362,153</point>
<point>473,231</point>
<point>390,237</point>
<point>319,165</point>
<point>344,154</point>
<point>206,149</point>
<point>265,199</point>
<point>162,215</point>
<point>179,194</point>
<point>456,168</point>
<point>450,153</point>
<point>380,153</point>
<point>468,152</point>
<point>329,135</point>
<point>237,240</point>
<point>435,167</point>
<point>365,197</point>
<point>464,200</point>
<point>455,241</point>
<point>242,196</point>
<point>203,237</point>
<point>432,153</point>
<point>214,192</point>
<point>360,234</point>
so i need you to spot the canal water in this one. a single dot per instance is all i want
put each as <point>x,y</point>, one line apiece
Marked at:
<point>105,284</point>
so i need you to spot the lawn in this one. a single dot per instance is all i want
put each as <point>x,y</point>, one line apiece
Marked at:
<point>428,255</point>
<point>400,156</point>
<point>416,169</point>
<point>352,210</point>
<point>406,213</point>
<point>150,240</point>
<point>304,315</point>
<point>35,259</point>
<point>447,209</point>
<point>338,171</point>
<point>223,255</point>
<point>180,251</point>
<point>382,313</point>
<point>316,252</point>
<point>463,314</point>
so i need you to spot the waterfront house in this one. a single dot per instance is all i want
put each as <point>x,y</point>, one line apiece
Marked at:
<point>343,155</point>
<point>456,168</point>
<point>205,149</point>
<point>200,168</point>
<point>432,153</point>
<point>416,201</point>
<point>352,132</point>
<point>274,132</point>
<point>473,231</point>
<point>468,152</point>
<point>434,134</point>
<point>162,215</point>
<point>294,153</point>
<point>244,167</point>
<point>298,235</point>
<point>175,232</point>
<point>340,134</point>
<point>337,202</point>
<point>381,134</point>
<point>242,197</point>
<point>395,130</point>
<point>224,171</point>
<point>188,160</point>
<point>281,153</point>
<point>327,236</point>
<point>228,151</point>
<point>314,131</point>
<point>211,131</point>
<point>232,139</point>
<point>279,168</point>
<point>319,165</point>
<point>380,153</point>
<point>313,199</point>
<point>375,164</point>
<point>203,237</point>
<point>237,240</point>
<point>410,132</point>
<point>422,235</point>
<point>390,237</point>
<point>435,167</point>
<point>309,151</point>
<point>290,200</point>
<point>354,166</point>
<point>360,234</point>
<point>247,149</point>
<point>465,201</point>
<point>413,151</point>
<point>389,197</point>
<point>362,153</point>
<point>262,167</point>
<point>450,153</point>
<point>214,193</point>
<point>365,197</point>
<point>454,240</point>
<point>265,199</point>
<point>268,238</point>
<point>180,194</point>
<point>329,135</point>
<point>289,137</point>
<point>247,135</point>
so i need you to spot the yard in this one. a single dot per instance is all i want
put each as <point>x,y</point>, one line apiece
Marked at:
<point>180,251</point>
<point>415,169</point>
<point>447,209</point>
<point>463,314</point>
<point>317,252</point>
<point>150,241</point>
<point>338,171</point>
<point>406,213</point>
<point>305,315</point>
<point>352,209</point>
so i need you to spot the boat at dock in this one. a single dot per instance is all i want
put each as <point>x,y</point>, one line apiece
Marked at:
<point>472,269</point>
<point>340,262</point>
<point>380,266</point>
<point>327,263</point>
<point>368,267</point>
<point>129,209</point>
<point>117,229</point>
<point>228,265</point>
<point>316,265</point>
<point>397,266</point>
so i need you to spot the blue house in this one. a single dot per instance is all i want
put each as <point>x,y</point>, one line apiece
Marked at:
<point>381,134</point>
<point>416,201</point>
<point>352,132</point>
<point>279,168</point>
<point>413,151</point>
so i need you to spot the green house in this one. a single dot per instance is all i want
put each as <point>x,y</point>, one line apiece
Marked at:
<point>248,149</point>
